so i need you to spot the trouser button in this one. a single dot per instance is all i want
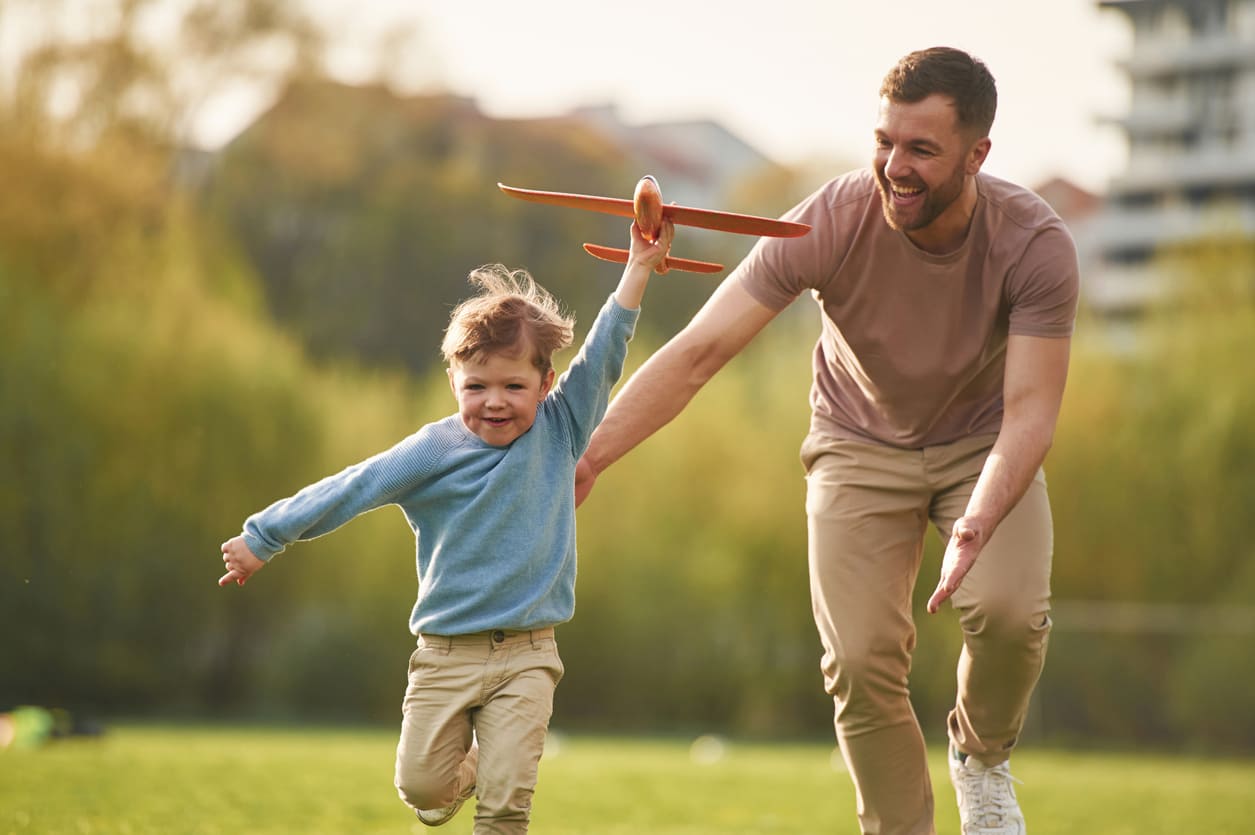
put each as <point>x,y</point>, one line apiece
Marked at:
<point>498,636</point>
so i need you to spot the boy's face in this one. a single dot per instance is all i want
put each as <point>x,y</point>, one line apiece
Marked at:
<point>498,395</point>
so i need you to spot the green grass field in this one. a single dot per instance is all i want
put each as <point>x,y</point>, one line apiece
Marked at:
<point>169,780</point>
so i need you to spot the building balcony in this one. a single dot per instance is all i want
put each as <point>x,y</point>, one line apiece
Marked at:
<point>1114,290</point>
<point>1213,168</point>
<point>1157,57</point>
<point>1158,116</point>
<point>1121,231</point>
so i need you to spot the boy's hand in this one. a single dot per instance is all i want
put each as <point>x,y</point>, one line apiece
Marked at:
<point>645,257</point>
<point>652,254</point>
<point>240,561</point>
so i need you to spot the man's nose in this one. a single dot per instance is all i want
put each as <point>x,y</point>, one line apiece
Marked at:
<point>895,165</point>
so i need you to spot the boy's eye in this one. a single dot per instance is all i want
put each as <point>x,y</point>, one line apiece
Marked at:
<point>515,387</point>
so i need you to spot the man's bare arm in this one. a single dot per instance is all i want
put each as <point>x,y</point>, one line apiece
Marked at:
<point>665,384</point>
<point>1036,371</point>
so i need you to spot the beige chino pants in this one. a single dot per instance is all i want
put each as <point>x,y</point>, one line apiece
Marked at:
<point>868,509</point>
<point>497,686</point>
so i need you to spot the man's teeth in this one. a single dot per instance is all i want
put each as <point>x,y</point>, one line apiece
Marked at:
<point>903,191</point>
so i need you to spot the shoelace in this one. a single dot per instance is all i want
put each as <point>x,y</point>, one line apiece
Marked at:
<point>991,795</point>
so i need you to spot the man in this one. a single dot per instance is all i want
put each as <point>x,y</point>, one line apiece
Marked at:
<point>947,299</point>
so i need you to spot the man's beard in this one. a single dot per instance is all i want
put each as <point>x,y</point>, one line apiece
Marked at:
<point>935,202</point>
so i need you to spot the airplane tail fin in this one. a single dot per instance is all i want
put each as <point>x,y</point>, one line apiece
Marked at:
<point>620,256</point>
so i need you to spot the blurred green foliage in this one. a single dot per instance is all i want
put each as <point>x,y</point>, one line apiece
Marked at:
<point>181,346</point>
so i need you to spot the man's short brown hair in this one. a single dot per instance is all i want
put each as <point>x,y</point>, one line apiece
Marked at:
<point>950,72</point>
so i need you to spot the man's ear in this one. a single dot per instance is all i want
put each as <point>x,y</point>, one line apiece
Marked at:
<point>977,155</point>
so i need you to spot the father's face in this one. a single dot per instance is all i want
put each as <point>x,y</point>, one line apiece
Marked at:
<point>922,161</point>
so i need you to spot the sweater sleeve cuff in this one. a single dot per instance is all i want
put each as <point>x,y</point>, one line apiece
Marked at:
<point>258,547</point>
<point>621,313</point>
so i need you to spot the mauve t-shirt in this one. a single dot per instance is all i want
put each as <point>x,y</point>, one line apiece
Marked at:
<point>913,345</point>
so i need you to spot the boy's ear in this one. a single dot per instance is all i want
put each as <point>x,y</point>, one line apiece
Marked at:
<point>452,385</point>
<point>546,382</point>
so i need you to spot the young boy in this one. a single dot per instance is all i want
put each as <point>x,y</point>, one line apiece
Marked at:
<point>489,494</point>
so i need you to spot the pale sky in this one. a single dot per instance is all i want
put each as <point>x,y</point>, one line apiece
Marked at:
<point>795,78</point>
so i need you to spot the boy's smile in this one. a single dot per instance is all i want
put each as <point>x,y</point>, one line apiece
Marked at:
<point>498,395</point>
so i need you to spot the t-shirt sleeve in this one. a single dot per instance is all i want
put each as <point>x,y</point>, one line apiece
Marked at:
<point>778,270</point>
<point>1045,287</point>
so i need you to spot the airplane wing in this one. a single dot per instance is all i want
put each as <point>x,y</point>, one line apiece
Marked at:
<point>620,256</point>
<point>683,215</point>
<point>731,222</point>
<point>605,205</point>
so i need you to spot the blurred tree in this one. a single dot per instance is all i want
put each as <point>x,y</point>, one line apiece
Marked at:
<point>130,70</point>
<point>365,211</point>
<point>1152,478</point>
<point>132,412</point>
<point>148,404</point>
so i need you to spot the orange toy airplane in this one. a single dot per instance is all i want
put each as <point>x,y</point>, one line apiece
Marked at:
<point>647,208</point>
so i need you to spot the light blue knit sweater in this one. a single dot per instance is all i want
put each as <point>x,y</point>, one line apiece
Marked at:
<point>494,526</point>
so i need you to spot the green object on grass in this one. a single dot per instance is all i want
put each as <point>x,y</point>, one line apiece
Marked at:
<point>28,726</point>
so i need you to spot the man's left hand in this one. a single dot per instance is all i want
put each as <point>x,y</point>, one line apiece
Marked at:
<point>962,550</point>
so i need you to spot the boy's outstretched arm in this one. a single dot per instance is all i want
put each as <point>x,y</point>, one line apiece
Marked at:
<point>240,561</point>
<point>643,258</point>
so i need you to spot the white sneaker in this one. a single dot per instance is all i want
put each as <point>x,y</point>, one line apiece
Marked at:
<point>987,804</point>
<point>439,817</point>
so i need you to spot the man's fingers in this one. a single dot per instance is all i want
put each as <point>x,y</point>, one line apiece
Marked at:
<point>947,586</point>
<point>951,579</point>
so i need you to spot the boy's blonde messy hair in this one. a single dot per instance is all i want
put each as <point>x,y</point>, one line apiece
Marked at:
<point>510,314</point>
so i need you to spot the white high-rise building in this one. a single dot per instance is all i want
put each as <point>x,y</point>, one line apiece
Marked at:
<point>1191,141</point>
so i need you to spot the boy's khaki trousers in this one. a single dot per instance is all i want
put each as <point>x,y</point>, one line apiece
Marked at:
<point>497,686</point>
<point>868,509</point>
